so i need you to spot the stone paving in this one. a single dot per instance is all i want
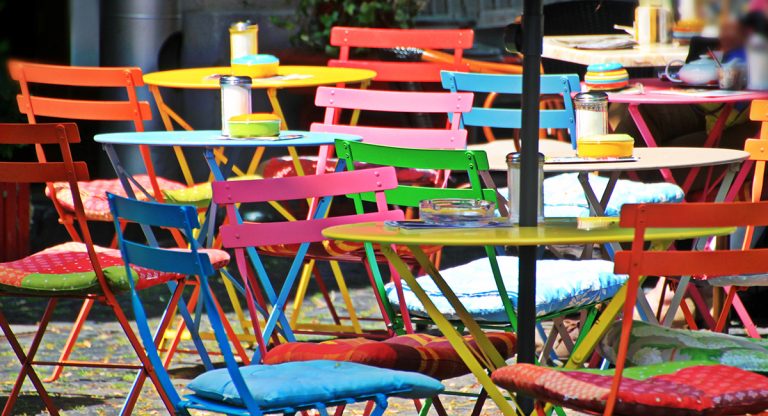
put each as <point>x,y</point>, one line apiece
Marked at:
<point>85,391</point>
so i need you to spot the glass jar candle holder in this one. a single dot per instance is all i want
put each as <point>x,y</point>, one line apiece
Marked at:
<point>235,99</point>
<point>591,113</point>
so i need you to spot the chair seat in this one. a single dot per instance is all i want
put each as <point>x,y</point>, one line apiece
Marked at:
<point>671,389</point>
<point>426,354</point>
<point>564,196</point>
<point>654,344</point>
<point>299,384</point>
<point>280,167</point>
<point>94,194</point>
<point>66,268</point>
<point>560,285</point>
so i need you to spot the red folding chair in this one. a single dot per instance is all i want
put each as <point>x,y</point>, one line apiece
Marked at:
<point>77,269</point>
<point>346,38</point>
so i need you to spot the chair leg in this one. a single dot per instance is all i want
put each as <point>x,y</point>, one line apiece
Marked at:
<point>74,333</point>
<point>26,362</point>
<point>141,355</point>
<point>138,383</point>
<point>438,405</point>
<point>481,398</point>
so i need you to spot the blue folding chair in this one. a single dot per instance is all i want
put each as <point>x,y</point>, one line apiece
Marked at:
<point>252,389</point>
<point>563,196</point>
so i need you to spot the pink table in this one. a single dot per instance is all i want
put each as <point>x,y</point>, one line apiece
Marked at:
<point>657,92</point>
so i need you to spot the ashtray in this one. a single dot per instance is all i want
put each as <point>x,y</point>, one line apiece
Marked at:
<point>457,212</point>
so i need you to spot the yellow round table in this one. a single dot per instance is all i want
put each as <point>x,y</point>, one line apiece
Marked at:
<point>288,76</point>
<point>552,232</point>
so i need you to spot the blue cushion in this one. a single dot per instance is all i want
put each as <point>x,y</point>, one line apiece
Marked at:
<point>307,382</point>
<point>564,196</point>
<point>560,284</point>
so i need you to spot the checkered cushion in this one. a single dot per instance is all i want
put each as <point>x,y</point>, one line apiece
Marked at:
<point>67,268</point>
<point>280,167</point>
<point>669,389</point>
<point>426,354</point>
<point>94,194</point>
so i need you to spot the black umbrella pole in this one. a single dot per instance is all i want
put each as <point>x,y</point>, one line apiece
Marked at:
<point>529,183</point>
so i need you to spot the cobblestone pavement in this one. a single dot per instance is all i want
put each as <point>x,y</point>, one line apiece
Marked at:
<point>86,391</point>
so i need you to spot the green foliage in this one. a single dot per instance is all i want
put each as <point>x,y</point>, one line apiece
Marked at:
<point>315,18</point>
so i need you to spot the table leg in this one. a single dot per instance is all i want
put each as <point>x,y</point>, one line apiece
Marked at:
<point>723,194</point>
<point>645,132</point>
<point>467,354</point>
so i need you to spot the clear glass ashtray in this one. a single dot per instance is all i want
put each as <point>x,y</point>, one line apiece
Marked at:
<point>457,212</point>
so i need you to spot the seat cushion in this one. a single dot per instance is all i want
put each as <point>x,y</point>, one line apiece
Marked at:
<point>66,268</point>
<point>94,194</point>
<point>280,167</point>
<point>653,344</point>
<point>564,196</point>
<point>199,195</point>
<point>426,354</point>
<point>560,285</point>
<point>671,389</point>
<point>301,383</point>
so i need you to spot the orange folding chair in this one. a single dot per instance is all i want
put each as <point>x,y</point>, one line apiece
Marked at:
<point>93,193</point>
<point>76,269</point>
<point>692,387</point>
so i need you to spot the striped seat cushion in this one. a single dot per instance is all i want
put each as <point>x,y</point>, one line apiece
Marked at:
<point>669,389</point>
<point>94,194</point>
<point>426,354</point>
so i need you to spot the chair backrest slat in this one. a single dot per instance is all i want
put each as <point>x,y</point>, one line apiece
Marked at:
<point>83,109</point>
<point>39,133</point>
<point>299,187</point>
<point>39,172</point>
<point>294,232</point>
<point>393,101</point>
<point>393,71</point>
<point>157,214</point>
<point>564,85</point>
<point>692,263</point>
<point>347,38</point>
<point>165,260</point>
<point>694,215</point>
<point>399,137</point>
<point>76,76</point>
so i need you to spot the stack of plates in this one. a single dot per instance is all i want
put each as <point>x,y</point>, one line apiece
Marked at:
<point>684,30</point>
<point>606,77</point>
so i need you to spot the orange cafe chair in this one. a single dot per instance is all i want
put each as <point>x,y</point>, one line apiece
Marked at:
<point>698,387</point>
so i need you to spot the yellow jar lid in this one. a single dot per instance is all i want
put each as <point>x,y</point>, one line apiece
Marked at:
<point>607,138</point>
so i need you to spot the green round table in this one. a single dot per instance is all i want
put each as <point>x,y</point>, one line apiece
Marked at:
<point>552,232</point>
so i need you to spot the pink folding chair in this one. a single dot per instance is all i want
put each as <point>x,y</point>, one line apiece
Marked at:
<point>299,237</point>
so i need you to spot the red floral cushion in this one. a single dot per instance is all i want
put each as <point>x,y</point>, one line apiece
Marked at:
<point>67,268</point>
<point>280,167</point>
<point>421,353</point>
<point>94,194</point>
<point>669,389</point>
